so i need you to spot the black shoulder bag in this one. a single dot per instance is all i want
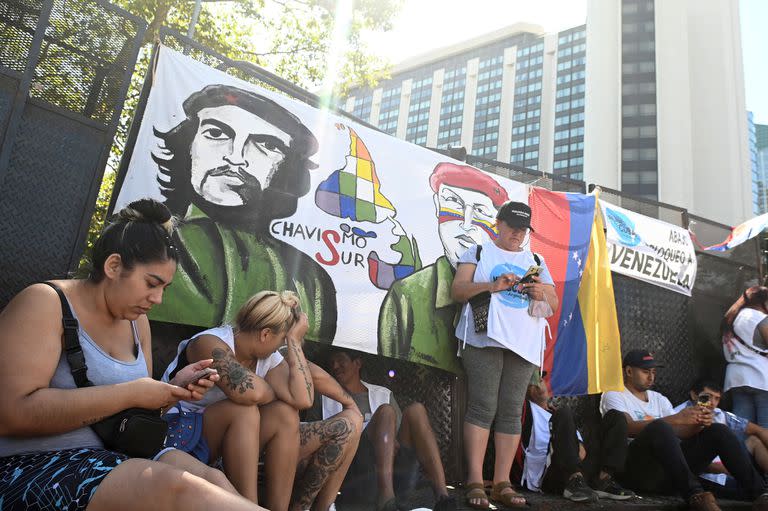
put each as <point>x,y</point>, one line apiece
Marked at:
<point>137,432</point>
<point>481,303</point>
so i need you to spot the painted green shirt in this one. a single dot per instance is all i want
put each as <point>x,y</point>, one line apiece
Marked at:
<point>416,321</point>
<point>221,267</point>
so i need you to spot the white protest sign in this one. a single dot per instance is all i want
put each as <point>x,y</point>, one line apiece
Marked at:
<point>650,250</point>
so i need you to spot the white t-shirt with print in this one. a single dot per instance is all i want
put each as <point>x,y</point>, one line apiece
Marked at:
<point>509,323</point>
<point>656,407</point>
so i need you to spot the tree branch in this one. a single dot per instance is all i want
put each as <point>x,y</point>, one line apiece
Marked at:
<point>284,52</point>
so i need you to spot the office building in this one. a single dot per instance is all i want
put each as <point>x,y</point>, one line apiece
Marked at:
<point>646,98</point>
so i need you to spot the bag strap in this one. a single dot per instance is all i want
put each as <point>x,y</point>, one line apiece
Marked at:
<point>71,341</point>
<point>750,347</point>
<point>537,259</point>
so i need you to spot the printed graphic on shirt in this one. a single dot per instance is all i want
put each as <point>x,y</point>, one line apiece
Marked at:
<point>510,297</point>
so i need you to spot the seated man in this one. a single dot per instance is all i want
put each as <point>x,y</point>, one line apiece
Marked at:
<point>555,458</point>
<point>754,437</point>
<point>388,434</point>
<point>668,447</point>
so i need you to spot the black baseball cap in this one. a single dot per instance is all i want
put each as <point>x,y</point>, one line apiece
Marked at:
<point>515,214</point>
<point>640,358</point>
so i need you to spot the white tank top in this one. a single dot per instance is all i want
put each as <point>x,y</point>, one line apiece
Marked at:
<point>214,395</point>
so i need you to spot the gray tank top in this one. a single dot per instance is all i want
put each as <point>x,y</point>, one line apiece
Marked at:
<point>102,370</point>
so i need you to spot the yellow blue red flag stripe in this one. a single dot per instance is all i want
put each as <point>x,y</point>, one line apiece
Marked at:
<point>584,354</point>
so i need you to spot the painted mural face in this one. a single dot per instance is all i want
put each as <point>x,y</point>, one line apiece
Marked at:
<point>466,217</point>
<point>234,155</point>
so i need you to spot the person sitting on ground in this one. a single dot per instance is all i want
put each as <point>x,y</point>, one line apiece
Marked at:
<point>254,407</point>
<point>50,457</point>
<point>755,439</point>
<point>670,448</point>
<point>555,459</point>
<point>414,437</point>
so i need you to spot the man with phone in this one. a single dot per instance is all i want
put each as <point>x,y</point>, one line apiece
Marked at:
<point>708,393</point>
<point>669,448</point>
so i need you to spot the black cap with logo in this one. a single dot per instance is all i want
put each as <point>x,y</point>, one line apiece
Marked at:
<point>640,358</point>
<point>515,214</point>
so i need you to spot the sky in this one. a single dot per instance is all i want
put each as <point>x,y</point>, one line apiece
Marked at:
<point>423,25</point>
<point>754,37</point>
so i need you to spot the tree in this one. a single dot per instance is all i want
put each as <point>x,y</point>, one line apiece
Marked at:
<point>295,39</point>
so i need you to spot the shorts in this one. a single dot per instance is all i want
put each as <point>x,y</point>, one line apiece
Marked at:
<point>54,480</point>
<point>185,432</point>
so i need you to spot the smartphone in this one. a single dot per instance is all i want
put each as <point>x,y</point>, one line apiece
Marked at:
<point>533,271</point>
<point>704,399</point>
<point>197,376</point>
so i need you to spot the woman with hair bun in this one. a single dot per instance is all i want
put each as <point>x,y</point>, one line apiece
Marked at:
<point>50,457</point>
<point>254,407</point>
<point>745,344</point>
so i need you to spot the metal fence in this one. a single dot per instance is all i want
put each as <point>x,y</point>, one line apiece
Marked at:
<point>65,66</point>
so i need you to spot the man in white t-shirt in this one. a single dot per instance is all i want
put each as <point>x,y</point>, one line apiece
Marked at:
<point>670,448</point>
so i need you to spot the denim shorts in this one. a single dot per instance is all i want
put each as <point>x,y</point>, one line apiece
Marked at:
<point>54,480</point>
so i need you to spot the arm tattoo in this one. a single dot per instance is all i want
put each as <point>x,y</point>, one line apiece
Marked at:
<point>307,380</point>
<point>233,374</point>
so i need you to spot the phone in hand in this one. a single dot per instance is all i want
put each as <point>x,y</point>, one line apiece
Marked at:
<point>197,376</point>
<point>533,271</point>
<point>704,399</point>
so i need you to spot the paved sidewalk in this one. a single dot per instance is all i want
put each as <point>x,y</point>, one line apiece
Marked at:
<point>422,498</point>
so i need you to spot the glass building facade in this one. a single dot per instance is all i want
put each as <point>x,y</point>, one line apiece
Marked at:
<point>521,139</point>
<point>526,117</point>
<point>639,161</point>
<point>568,158</point>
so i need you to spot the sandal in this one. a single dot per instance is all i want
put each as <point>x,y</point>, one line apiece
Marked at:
<point>508,499</point>
<point>476,491</point>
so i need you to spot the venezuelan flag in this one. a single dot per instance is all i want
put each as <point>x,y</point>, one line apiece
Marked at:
<point>583,356</point>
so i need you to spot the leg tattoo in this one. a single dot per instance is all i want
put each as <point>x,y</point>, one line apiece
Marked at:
<point>333,434</point>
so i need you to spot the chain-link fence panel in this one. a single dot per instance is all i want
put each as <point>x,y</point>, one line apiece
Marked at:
<point>87,50</point>
<point>64,74</point>
<point>18,19</point>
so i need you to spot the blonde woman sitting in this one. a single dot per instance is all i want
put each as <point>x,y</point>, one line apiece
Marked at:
<point>254,407</point>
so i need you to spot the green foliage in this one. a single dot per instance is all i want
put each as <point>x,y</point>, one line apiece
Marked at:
<point>291,38</point>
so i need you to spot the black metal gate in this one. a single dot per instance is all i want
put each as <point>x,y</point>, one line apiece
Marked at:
<point>65,67</point>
